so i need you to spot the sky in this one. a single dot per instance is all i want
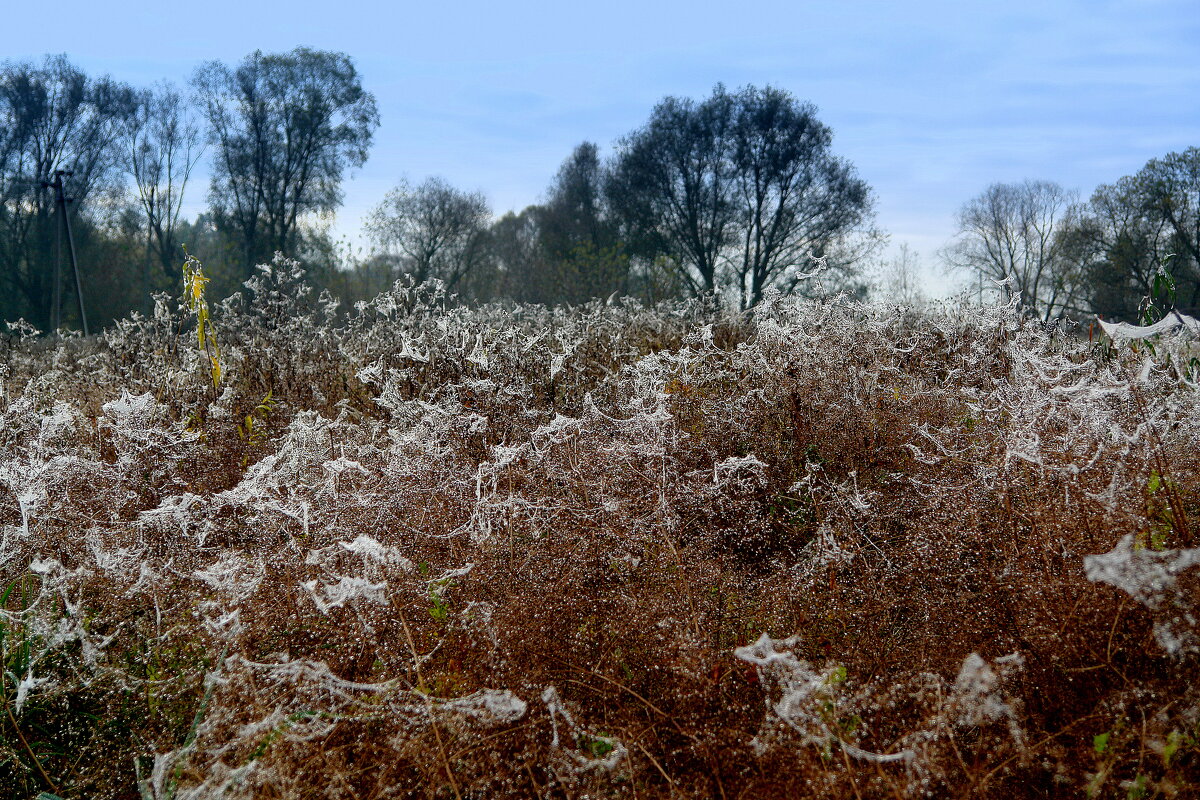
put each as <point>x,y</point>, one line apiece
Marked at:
<point>931,101</point>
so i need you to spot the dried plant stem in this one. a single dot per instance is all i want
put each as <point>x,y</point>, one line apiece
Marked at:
<point>979,786</point>
<point>657,766</point>
<point>476,745</point>
<point>532,781</point>
<point>437,732</point>
<point>1178,511</point>
<point>25,744</point>
<point>626,689</point>
<point>850,773</point>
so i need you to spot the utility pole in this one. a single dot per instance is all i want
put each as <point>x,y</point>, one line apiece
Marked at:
<point>61,199</point>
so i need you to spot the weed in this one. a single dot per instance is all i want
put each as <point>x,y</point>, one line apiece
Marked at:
<point>820,549</point>
<point>194,282</point>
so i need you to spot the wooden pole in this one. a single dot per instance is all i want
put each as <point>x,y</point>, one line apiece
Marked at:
<point>61,200</point>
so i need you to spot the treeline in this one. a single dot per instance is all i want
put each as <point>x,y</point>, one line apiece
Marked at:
<point>1130,252</point>
<point>732,195</point>
<point>279,131</point>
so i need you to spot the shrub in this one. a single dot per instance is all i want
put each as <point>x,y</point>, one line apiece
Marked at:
<point>425,550</point>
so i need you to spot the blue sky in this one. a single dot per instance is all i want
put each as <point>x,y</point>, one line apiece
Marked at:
<point>932,101</point>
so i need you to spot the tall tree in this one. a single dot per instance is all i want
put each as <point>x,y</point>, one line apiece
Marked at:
<point>1017,236</point>
<point>432,230</point>
<point>52,117</point>
<point>582,254</point>
<point>162,146</point>
<point>1120,249</point>
<point>1137,228</point>
<point>900,278</point>
<point>1168,191</point>
<point>742,191</point>
<point>284,128</point>
<point>795,198</point>
<point>520,271</point>
<point>673,187</point>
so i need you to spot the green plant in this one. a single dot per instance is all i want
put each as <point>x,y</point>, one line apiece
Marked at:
<point>1161,299</point>
<point>251,430</point>
<point>194,283</point>
<point>439,607</point>
<point>596,745</point>
<point>20,649</point>
<point>1136,788</point>
<point>1158,509</point>
<point>183,754</point>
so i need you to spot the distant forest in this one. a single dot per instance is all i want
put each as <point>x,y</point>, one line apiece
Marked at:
<point>732,196</point>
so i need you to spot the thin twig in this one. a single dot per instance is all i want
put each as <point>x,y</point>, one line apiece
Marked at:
<point>28,749</point>
<point>978,787</point>
<point>532,782</point>
<point>437,733</point>
<point>850,773</point>
<point>488,738</point>
<point>657,766</point>
<point>625,688</point>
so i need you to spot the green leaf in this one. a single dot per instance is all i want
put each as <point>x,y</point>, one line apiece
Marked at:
<point>440,610</point>
<point>7,592</point>
<point>1136,788</point>
<point>1158,537</point>
<point>1100,742</point>
<point>597,746</point>
<point>1174,738</point>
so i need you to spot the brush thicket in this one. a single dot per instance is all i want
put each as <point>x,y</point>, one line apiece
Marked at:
<point>824,549</point>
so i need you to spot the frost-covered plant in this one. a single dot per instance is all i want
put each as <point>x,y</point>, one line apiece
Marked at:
<point>415,548</point>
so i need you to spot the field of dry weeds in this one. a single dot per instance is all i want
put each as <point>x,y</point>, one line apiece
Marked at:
<point>823,549</point>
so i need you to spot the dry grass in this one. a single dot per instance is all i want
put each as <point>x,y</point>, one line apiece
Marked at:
<point>826,550</point>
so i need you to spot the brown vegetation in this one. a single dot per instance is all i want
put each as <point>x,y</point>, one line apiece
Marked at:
<point>823,550</point>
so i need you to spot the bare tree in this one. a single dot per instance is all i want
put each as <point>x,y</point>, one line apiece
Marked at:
<point>741,191</point>
<point>432,230</point>
<point>521,273</point>
<point>1168,189</point>
<point>1120,248</point>
<point>1139,228</point>
<point>1016,236</point>
<point>53,117</point>
<point>673,187</point>
<point>795,198</point>
<point>285,127</point>
<point>900,278</point>
<point>163,145</point>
